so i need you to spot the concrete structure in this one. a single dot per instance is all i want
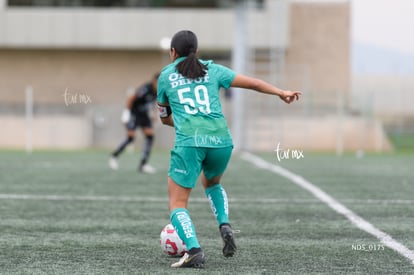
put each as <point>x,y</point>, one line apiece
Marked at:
<point>81,62</point>
<point>319,47</point>
<point>138,28</point>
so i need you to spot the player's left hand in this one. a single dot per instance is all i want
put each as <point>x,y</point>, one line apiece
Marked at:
<point>290,96</point>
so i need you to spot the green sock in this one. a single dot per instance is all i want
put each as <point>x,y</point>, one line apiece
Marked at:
<point>218,202</point>
<point>181,220</point>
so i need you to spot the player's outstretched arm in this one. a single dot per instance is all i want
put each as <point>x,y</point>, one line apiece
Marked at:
<point>246,82</point>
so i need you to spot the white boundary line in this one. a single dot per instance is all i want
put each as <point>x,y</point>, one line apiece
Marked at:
<point>332,203</point>
<point>43,197</point>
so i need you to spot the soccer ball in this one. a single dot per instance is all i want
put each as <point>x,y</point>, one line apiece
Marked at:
<point>171,244</point>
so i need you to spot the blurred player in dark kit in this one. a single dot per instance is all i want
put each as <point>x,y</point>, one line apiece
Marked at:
<point>136,115</point>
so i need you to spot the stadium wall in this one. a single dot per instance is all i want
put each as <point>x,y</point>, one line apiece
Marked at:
<point>101,65</point>
<point>102,75</point>
<point>319,48</point>
<point>85,89</point>
<point>135,28</point>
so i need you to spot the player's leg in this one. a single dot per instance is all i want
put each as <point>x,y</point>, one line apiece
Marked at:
<point>113,161</point>
<point>214,166</point>
<point>144,121</point>
<point>131,126</point>
<point>148,142</point>
<point>185,166</point>
<point>217,197</point>
<point>179,215</point>
<point>183,224</point>
<point>213,169</point>
<point>129,138</point>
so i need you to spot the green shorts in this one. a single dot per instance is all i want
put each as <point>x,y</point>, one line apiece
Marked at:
<point>188,162</point>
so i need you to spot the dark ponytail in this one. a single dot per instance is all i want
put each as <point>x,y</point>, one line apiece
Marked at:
<point>185,44</point>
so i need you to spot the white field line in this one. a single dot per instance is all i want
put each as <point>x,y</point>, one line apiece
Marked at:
<point>79,198</point>
<point>42,197</point>
<point>358,221</point>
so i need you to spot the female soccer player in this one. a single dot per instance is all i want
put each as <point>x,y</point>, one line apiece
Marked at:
<point>188,99</point>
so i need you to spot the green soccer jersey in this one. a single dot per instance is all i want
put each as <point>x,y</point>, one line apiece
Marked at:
<point>195,104</point>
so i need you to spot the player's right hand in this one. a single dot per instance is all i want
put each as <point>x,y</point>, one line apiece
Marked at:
<point>289,96</point>
<point>126,116</point>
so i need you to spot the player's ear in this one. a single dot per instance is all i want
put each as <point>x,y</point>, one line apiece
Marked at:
<point>173,54</point>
